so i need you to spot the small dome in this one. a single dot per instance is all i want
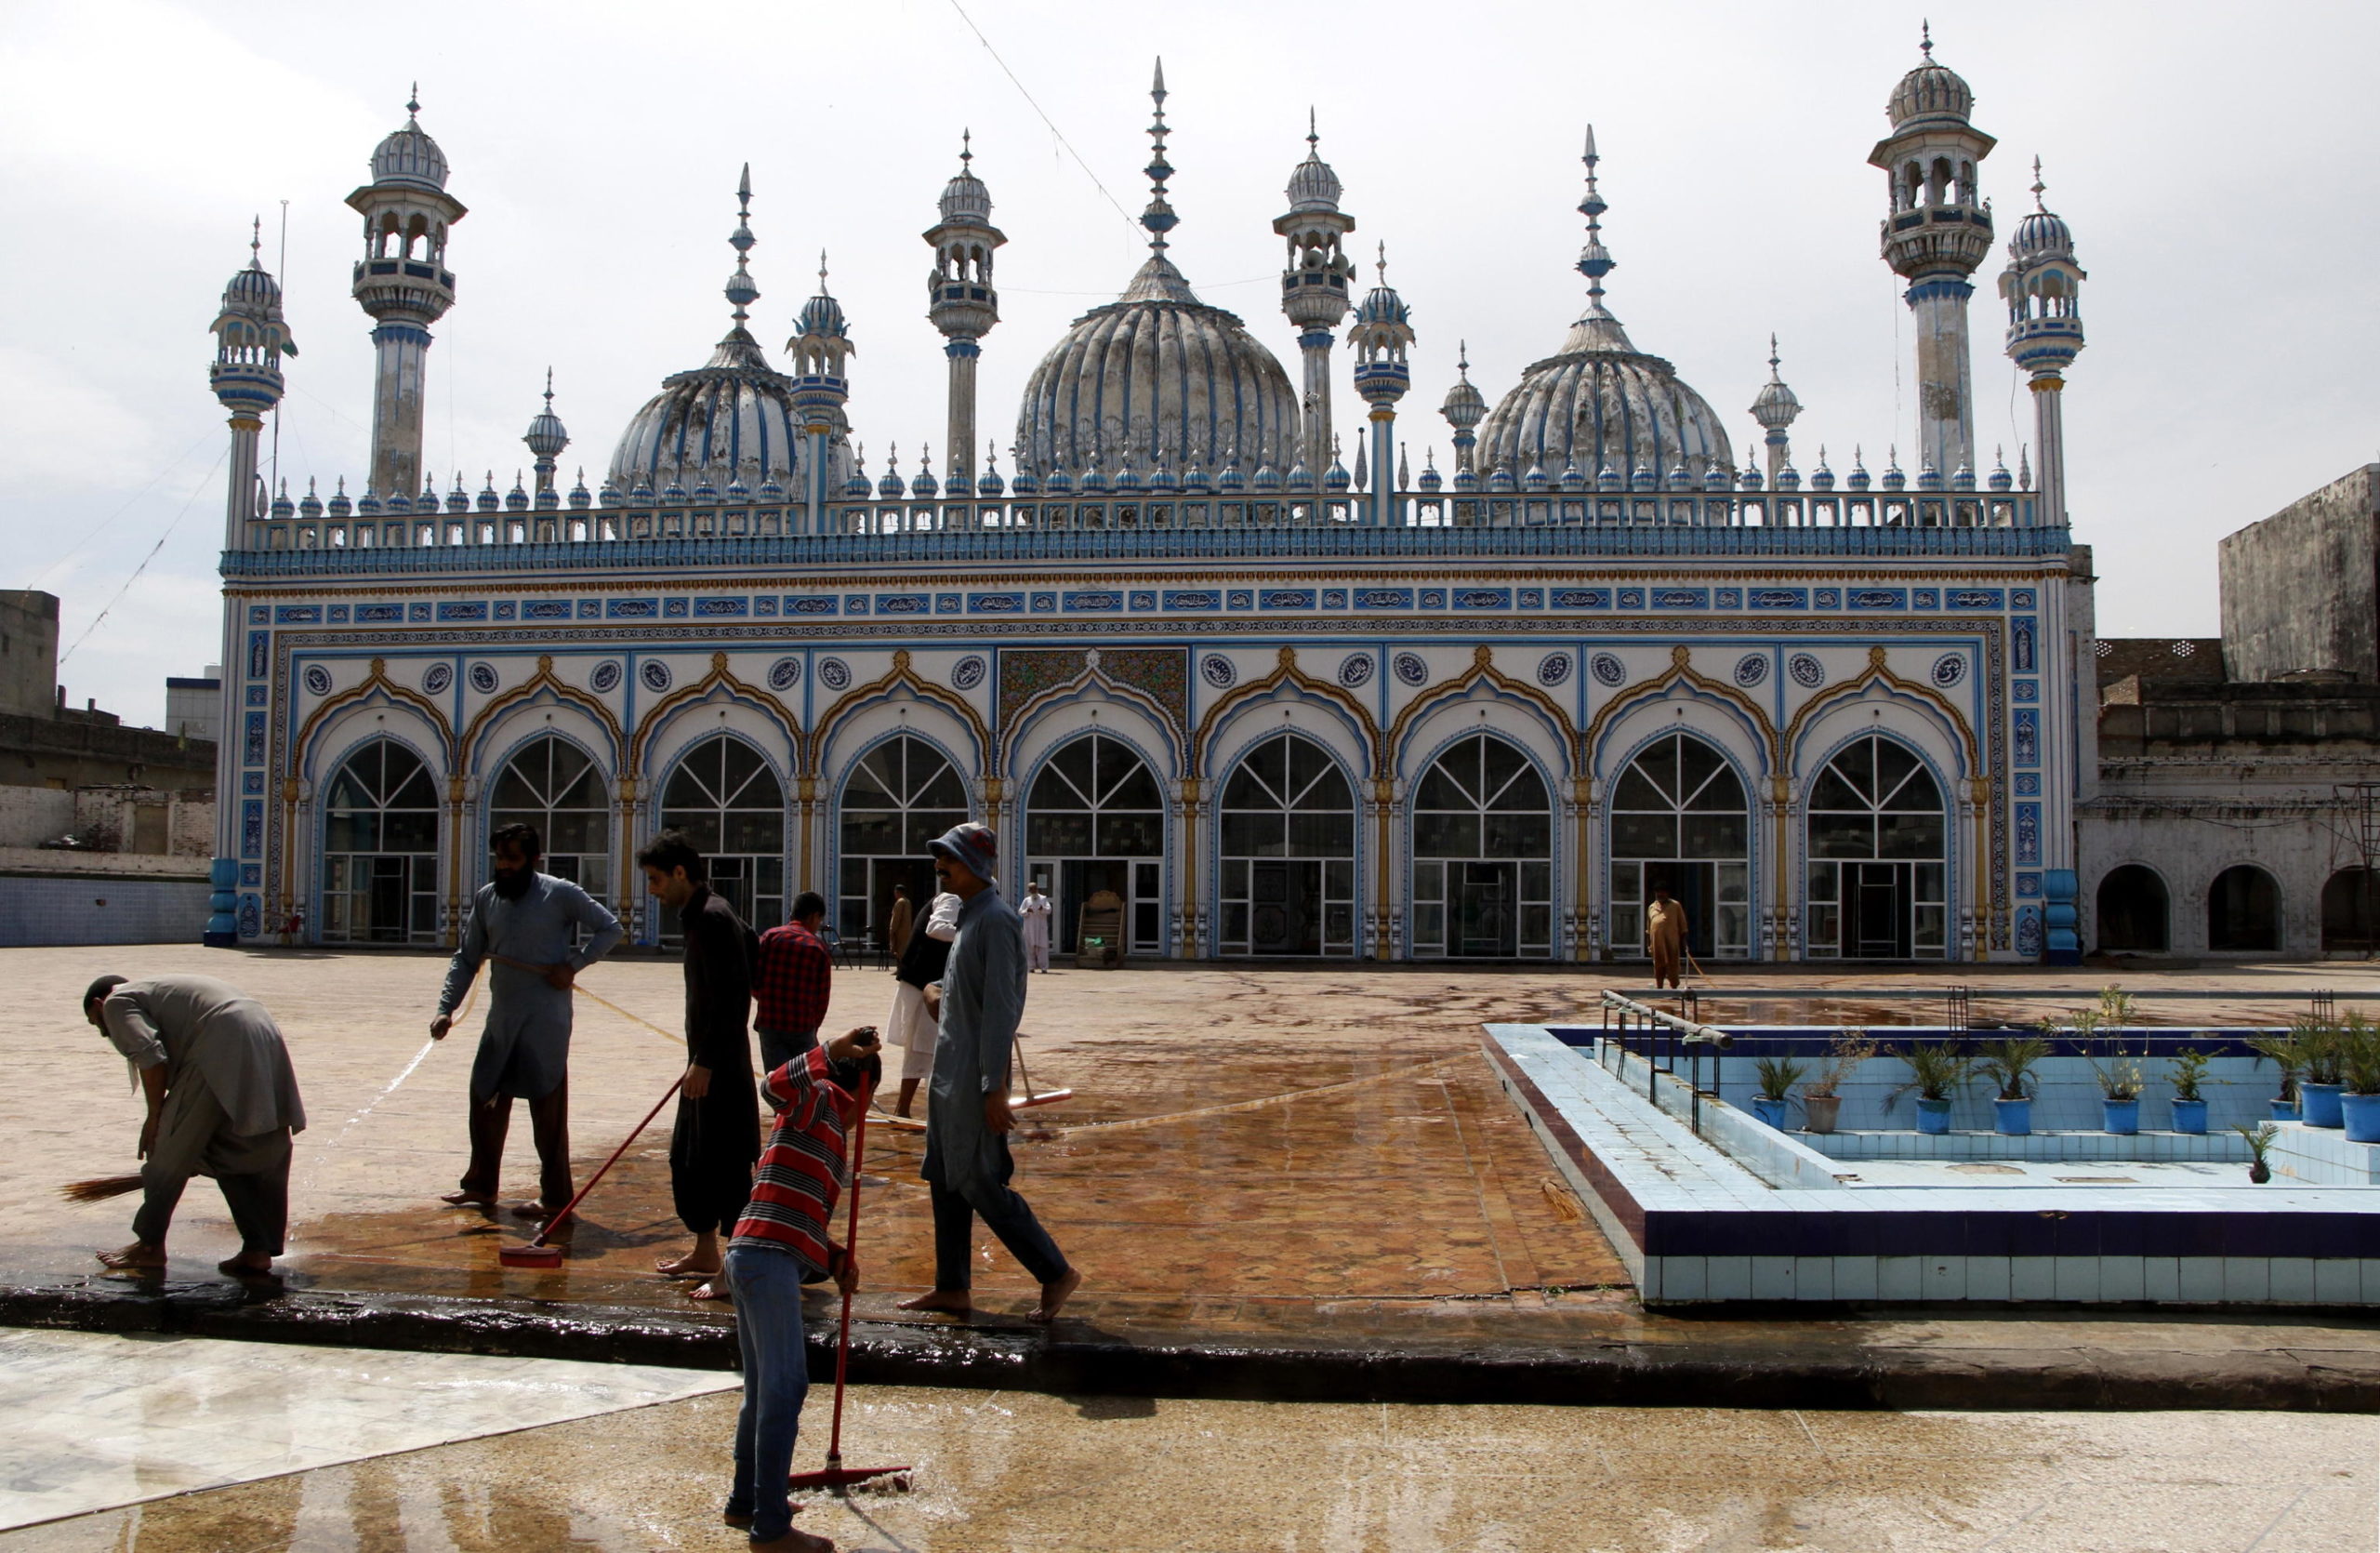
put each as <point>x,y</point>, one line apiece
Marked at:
<point>1775,407</point>
<point>1382,305</point>
<point>1313,186</point>
<point>823,315</point>
<point>1931,91</point>
<point>409,155</point>
<point>1601,402</point>
<point>546,436</point>
<point>733,417</point>
<point>964,198</point>
<point>252,290</point>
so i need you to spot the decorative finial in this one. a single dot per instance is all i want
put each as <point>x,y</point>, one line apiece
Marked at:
<point>1312,135</point>
<point>1595,260</point>
<point>255,243</point>
<point>1463,360</point>
<point>1774,360</point>
<point>1158,217</point>
<point>966,151</point>
<point>1925,40</point>
<point>550,389</point>
<point>1383,262</point>
<point>413,102</point>
<point>2038,186</point>
<point>822,271</point>
<point>740,290</point>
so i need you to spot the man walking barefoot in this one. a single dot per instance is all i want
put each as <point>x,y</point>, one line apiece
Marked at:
<point>522,918</point>
<point>967,1164</point>
<point>716,1135</point>
<point>1665,930</point>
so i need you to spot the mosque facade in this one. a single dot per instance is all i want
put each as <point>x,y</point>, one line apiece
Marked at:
<point>1176,649</point>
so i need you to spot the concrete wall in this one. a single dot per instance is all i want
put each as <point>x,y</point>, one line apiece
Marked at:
<point>147,820</point>
<point>102,910</point>
<point>2299,589</point>
<point>32,816</point>
<point>28,651</point>
<point>79,750</point>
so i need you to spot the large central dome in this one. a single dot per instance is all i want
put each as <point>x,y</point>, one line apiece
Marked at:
<point>1157,375</point>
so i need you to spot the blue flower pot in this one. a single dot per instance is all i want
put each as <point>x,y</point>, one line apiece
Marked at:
<point>1934,1116</point>
<point>2013,1118</point>
<point>2190,1116</point>
<point>1770,1111</point>
<point>2120,1116</point>
<point>2361,1114</point>
<point>2283,1110</point>
<point>2320,1104</point>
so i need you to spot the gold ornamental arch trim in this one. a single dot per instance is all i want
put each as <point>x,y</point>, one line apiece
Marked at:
<point>375,683</point>
<point>1483,671</point>
<point>1049,701</point>
<point>719,677</point>
<point>900,677</point>
<point>1680,671</point>
<point>1285,672</point>
<point>1876,673</point>
<point>472,744</point>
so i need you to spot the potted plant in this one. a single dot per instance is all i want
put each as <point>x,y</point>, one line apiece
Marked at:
<point>2259,1139</point>
<point>2359,1074</point>
<point>1936,1068</point>
<point>1822,1097</point>
<point>2318,1093</point>
<point>2190,1108</point>
<point>2008,1062</point>
<point>2290,1057</point>
<point>1778,1077</point>
<point>2117,1071</point>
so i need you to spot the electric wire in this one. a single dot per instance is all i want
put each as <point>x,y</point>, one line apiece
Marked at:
<point>1037,109</point>
<point>120,592</point>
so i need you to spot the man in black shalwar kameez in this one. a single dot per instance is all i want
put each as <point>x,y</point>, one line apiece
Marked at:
<point>718,1132</point>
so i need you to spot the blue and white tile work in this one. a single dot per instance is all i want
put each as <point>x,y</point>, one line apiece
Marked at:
<point>1719,1206</point>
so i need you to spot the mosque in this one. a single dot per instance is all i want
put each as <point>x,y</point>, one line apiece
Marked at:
<point>1174,648</point>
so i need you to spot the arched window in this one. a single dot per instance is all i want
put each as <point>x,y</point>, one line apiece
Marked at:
<point>553,785</point>
<point>1878,874</point>
<point>1680,823</point>
<point>2132,911</point>
<point>2244,912</point>
<point>2348,900</point>
<point>1287,820</point>
<point>1095,820</point>
<point>1483,854</point>
<point>731,805</point>
<point>380,849</point>
<point>901,795</point>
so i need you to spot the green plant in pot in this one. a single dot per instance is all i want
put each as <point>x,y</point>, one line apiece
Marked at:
<point>1822,1097</point>
<point>1936,1068</point>
<point>2260,1138</point>
<point>1778,1077</point>
<point>2288,1056</point>
<point>2188,1074</point>
<point>2359,1075</point>
<point>2117,1070</point>
<point>2318,1093</point>
<point>2008,1062</point>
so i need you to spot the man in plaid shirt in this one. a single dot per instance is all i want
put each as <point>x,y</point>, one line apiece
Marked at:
<point>790,986</point>
<point>782,1237</point>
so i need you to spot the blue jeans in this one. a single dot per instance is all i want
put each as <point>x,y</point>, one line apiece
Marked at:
<point>777,1048</point>
<point>767,1284</point>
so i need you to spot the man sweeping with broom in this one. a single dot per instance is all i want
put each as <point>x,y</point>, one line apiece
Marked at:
<point>222,1102</point>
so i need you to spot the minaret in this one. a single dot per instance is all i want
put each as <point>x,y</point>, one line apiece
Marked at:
<point>1938,231</point>
<point>546,438</point>
<point>963,303</point>
<point>820,346</point>
<point>404,283</point>
<point>2043,287</point>
<point>1381,334</point>
<point>1464,409</point>
<point>250,340</point>
<point>1775,409</point>
<point>1315,286</point>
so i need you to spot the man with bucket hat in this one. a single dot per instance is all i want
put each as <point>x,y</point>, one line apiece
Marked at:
<point>967,1164</point>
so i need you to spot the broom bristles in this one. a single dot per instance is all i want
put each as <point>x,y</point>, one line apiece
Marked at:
<point>99,1188</point>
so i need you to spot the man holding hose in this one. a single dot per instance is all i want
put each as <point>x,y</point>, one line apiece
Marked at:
<point>523,920</point>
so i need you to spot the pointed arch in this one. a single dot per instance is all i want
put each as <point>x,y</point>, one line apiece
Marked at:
<point>473,745</point>
<point>1923,699</point>
<point>376,683</point>
<point>1681,672</point>
<point>1483,673</point>
<point>900,677</point>
<point>1287,675</point>
<point>720,684</point>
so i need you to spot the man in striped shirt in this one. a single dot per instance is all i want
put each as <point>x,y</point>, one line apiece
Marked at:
<point>782,1238</point>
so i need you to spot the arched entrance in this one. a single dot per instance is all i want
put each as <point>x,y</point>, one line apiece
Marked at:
<point>2133,911</point>
<point>1288,828</point>
<point>380,849</point>
<point>901,795</point>
<point>553,785</point>
<point>2244,912</point>
<point>728,802</point>
<point>2348,900</point>
<point>1680,822</point>
<point>1095,820</point>
<point>1878,871</point>
<point>1483,854</point>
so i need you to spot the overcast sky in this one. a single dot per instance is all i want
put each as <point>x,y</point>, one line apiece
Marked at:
<point>2214,162</point>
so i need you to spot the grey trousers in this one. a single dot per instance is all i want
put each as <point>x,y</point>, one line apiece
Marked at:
<point>194,1138</point>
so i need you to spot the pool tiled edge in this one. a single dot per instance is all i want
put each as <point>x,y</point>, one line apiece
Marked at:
<point>1693,1224</point>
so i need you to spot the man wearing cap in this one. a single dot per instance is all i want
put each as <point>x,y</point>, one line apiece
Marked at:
<point>967,1164</point>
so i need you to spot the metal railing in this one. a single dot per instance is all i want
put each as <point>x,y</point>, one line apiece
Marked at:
<point>1659,1038</point>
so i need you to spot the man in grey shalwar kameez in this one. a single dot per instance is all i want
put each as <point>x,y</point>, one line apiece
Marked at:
<point>222,1102</point>
<point>522,919</point>
<point>967,1164</point>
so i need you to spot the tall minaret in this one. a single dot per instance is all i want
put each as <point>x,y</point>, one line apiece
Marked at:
<point>963,304</point>
<point>1938,231</point>
<point>1382,332</point>
<point>250,340</point>
<point>1314,284</point>
<point>1776,409</point>
<point>2043,286</point>
<point>820,347</point>
<point>404,283</point>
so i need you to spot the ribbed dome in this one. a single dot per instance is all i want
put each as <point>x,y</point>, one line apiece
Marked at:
<point>251,289</point>
<point>965,198</point>
<point>409,155</point>
<point>1602,403</point>
<point>1156,366</point>
<point>731,418</point>
<point>2043,235</point>
<point>1931,91</point>
<point>1313,186</point>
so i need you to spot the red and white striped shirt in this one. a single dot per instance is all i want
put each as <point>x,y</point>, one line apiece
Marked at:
<point>805,1167</point>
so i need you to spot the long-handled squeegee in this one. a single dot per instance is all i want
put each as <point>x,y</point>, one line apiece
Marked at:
<point>538,1254</point>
